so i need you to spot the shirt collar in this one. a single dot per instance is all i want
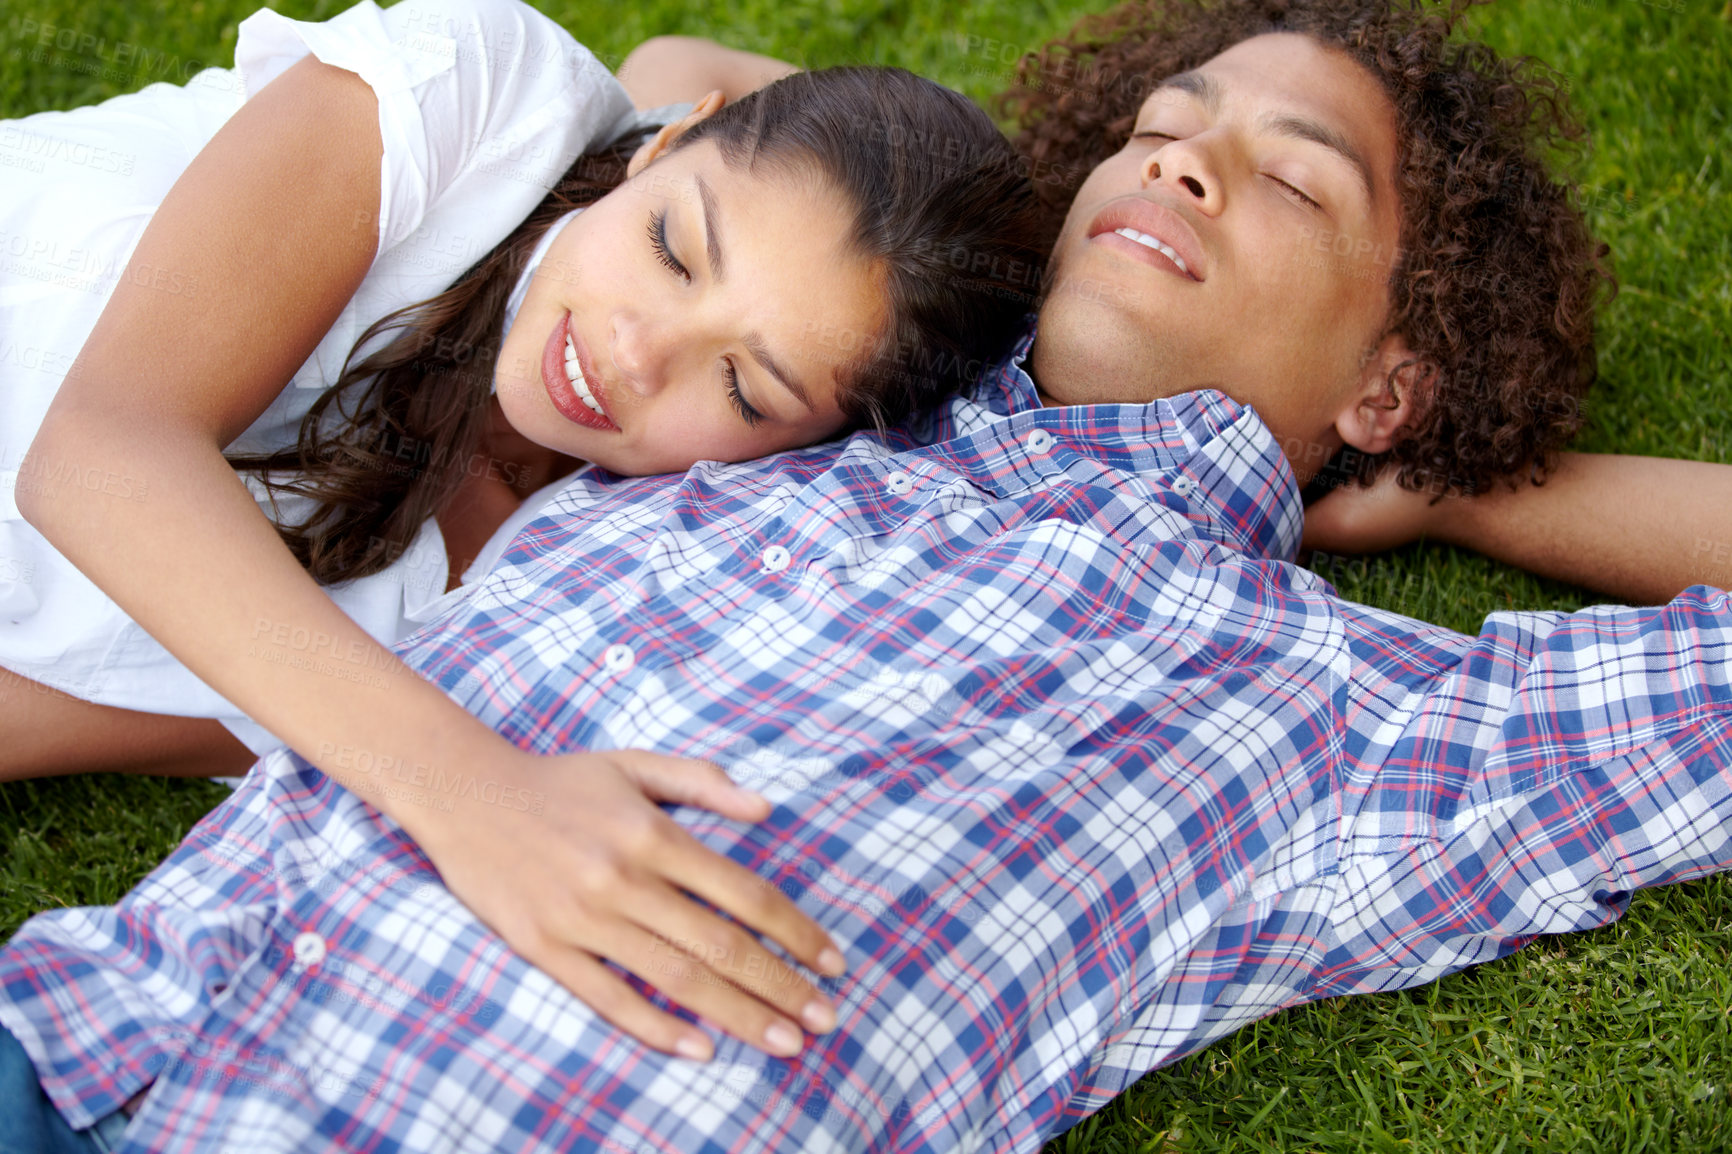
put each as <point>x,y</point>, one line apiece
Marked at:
<point>1250,496</point>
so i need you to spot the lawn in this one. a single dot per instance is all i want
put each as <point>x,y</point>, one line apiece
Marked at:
<point>1615,1040</point>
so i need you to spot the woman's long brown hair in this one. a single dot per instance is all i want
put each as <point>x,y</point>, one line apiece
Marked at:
<point>387,445</point>
<point>940,204</point>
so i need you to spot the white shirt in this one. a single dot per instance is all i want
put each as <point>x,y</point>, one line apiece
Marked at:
<point>483,104</point>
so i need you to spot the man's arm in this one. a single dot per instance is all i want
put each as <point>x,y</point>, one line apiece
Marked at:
<point>1641,529</point>
<point>676,69</point>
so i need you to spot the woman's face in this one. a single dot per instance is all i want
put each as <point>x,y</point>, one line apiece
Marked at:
<point>697,312</point>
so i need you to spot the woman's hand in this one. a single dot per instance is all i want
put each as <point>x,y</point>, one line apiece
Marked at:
<point>593,868</point>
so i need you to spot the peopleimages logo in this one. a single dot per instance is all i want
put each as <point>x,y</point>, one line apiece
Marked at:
<point>427,785</point>
<point>15,141</point>
<point>48,45</point>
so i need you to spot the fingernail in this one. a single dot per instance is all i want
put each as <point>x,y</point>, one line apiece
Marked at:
<point>819,1018</point>
<point>695,1048</point>
<point>783,1038</point>
<point>832,962</point>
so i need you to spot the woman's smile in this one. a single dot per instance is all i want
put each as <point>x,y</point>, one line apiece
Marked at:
<point>691,339</point>
<point>571,382</point>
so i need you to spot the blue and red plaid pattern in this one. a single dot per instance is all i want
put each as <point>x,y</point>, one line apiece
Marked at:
<point>1078,767</point>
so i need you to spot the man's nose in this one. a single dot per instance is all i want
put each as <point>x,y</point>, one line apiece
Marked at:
<point>1184,166</point>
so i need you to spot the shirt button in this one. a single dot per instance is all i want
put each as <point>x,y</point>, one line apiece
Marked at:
<point>618,658</point>
<point>898,483</point>
<point>309,949</point>
<point>1039,441</point>
<point>1184,486</point>
<point>776,558</point>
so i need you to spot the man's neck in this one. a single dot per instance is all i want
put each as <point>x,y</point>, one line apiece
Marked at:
<point>1029,364</point>
<point>1306,464</point>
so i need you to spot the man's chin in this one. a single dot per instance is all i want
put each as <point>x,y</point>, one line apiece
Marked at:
<point>1088,352</point>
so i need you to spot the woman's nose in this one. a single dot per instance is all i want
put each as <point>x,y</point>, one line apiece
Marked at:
<point>639,353</point>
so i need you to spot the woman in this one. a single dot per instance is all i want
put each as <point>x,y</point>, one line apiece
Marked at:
<point>755,277</point>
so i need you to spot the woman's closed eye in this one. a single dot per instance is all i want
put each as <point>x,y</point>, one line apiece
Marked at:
<point>735,398</point>
<point>658,236</point>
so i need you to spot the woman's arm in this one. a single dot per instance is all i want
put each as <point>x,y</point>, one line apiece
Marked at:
<point>277,216</point>
<point>1640,529</point>
<point>49,733</point>
<point>677,69</point>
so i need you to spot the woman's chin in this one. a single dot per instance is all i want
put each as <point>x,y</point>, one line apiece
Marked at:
<point>625,468</point>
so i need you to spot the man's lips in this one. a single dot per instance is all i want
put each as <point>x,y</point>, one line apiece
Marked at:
<point>559,387</point>
<point>1140,215</point>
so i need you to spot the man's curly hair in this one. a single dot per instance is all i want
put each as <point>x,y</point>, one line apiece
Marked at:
<point>1496,278</point>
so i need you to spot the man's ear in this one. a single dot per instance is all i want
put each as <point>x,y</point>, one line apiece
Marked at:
<point>658,144</point>
<point>1390,392</point>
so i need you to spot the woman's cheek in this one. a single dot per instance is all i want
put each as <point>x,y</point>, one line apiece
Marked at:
<point>705,435</point>
<point>558,271</point>
<point>513,375</point>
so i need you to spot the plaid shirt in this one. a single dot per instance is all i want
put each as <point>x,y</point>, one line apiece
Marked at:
<point>1080,770</point>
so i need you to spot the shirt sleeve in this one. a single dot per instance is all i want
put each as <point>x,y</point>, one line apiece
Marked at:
<point>487,96</point>
<point>1525,781</point>
<point>1535,695</point>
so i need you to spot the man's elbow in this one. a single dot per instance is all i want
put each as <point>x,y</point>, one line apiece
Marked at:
<point>649,73</point>
<point>680,69</point>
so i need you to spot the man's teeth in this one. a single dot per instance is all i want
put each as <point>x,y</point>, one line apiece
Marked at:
<point>1144,238</point>
<point>574,373</point>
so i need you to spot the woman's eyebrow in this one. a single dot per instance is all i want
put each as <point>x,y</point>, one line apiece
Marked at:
<point>754,341</point>
<point>1209,92</point>
<point>755,345</point>
<point>711,239</point>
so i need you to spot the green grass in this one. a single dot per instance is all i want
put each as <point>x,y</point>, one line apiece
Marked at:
<point>1616,1040</point>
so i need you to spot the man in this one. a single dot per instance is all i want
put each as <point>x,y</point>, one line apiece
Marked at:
<point>1076,768</point>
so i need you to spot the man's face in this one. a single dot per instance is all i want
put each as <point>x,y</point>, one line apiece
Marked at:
<point>1269,171</point>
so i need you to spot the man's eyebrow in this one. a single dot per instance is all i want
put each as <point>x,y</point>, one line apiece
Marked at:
<point>1304,128</point>
<point>754,343</point>
<point>717,272</point>
<point>1208,92</point>
<point>1199,84</point>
